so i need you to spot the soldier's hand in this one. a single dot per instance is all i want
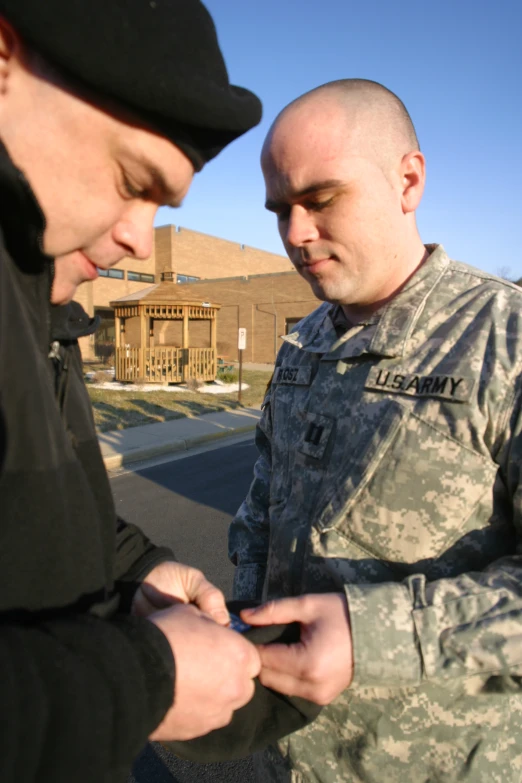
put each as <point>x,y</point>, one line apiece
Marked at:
<point>320,666</point>
<point>170,583</point>
<point>215,668</point>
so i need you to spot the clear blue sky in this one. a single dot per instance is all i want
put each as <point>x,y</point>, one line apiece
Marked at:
<point>456,64</point>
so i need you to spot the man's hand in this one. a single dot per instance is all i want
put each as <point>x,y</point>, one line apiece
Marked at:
<point>215,668</point>
<point>171,583</point>
<point>320,666</point>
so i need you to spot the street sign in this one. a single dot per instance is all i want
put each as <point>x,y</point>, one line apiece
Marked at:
<point>241,339</point>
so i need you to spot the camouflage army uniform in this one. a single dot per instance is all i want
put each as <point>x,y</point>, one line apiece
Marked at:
<point>389,468</point>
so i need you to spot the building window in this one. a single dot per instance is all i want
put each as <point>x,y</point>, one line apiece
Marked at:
<point>105,334</point>
<point>186,279</point>
<point>290,323</point>
<point>140,277</point>
<point>117,273</point>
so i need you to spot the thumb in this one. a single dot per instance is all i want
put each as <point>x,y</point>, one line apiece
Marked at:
<point>283,610</point>
<point>211,600</point>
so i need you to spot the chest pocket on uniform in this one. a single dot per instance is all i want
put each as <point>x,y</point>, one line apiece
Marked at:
<point>408,490</point>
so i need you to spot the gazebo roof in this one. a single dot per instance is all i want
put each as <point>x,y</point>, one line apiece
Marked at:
<point>160,293</point>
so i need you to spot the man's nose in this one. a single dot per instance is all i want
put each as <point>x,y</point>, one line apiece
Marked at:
<point>301,227</point>
<point>134,231</point>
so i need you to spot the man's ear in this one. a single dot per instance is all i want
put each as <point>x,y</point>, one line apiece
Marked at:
<point>8,44</point>
<point>413,177</point>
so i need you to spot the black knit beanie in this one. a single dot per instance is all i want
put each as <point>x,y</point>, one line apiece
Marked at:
<point>158,58</point>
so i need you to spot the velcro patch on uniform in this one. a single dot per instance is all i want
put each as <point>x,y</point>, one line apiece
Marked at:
<point>298,376</point>
<point>397,381</point>
<point>316,435</point>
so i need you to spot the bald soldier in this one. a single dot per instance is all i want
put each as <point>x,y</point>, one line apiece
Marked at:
<point>385,510</point>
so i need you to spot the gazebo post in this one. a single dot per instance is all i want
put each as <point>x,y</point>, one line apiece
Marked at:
<point>117,327</point>
<point>185,328</point>
<point>144,334</point>
<point>185,342</point>
<point>117,342</point>
<point>213,340</point>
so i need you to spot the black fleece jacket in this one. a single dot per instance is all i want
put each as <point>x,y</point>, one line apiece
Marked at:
<point>82,683</point>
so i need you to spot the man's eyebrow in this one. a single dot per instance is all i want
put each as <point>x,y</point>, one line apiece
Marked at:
<point>159,184</point>
<point>315,187</point>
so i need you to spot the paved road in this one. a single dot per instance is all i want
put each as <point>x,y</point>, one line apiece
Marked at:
<point>187,504</point>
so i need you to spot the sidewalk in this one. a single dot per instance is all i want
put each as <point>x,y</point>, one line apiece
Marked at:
<point>121,447</point>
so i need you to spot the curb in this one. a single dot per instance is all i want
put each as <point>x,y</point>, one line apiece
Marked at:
<point>177,444</point>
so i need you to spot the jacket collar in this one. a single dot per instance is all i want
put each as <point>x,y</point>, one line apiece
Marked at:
<point>70,321</point>
<point>22,220</point>
<point>387,332</point>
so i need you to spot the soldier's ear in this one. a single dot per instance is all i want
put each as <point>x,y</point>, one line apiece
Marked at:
<point>413,177</point>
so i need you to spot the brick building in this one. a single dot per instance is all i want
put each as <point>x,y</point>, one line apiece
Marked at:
<point>256,289</point>
<point>266,305</point>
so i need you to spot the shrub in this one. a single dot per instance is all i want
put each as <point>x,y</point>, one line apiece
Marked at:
<point>100,377</point>
<point>228,376</point>
<point>193,384</point>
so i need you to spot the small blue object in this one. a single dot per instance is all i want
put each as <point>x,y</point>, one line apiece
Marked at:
<point>236,624</point>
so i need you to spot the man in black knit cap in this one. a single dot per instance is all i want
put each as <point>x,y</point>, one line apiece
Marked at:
<point>106,111</point>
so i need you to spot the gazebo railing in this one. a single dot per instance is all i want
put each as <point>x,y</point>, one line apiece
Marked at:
<point>165,365</point>
<point>201,364</point>
<point>127,364</point>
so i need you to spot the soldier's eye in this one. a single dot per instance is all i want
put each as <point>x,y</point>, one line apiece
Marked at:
<point>319,205</point>
<point>283,215</point>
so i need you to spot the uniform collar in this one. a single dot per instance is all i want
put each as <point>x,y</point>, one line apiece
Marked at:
<point>399,317</point>
<point>387,332</point>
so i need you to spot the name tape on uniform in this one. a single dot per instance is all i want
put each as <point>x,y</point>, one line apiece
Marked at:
<point>397,381</point>
<point>299,376</point>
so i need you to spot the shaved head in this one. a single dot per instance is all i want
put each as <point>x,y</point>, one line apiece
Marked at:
<point>377,121</point>
<point>344,175</point>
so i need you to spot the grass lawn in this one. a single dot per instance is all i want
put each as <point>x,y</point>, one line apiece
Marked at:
<point>117,410</point>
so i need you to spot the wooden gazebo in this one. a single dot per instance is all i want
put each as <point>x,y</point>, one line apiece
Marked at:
<point>141,353</point>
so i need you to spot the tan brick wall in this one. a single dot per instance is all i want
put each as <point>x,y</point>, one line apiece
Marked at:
<point>163,237</point>
<point>168,333</point>
<point>171,333</point>
<point>182,251</point>
<point>199,334</point>
<point>132,332</point>
<point>259,290</point>
<point>205,256</point>
<point>261,304</point>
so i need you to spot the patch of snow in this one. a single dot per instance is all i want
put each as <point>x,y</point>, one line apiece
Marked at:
<point>222,388</point>
<point>206,388</point>
<point>136,387</point>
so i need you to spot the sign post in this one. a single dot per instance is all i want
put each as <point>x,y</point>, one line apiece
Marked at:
<point>241,344</point>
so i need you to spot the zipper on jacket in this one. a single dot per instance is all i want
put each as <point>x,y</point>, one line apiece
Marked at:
<point>51,280</point>
<point>58,357</point>
<point>54,353</point>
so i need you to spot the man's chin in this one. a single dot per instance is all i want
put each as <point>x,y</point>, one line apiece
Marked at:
<point>323,292</point>
<point>63,294</point>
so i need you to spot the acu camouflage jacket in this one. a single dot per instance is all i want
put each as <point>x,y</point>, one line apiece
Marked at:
<point>390,468</point>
